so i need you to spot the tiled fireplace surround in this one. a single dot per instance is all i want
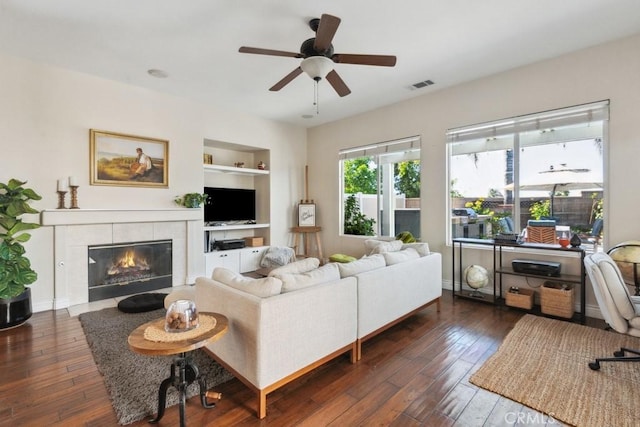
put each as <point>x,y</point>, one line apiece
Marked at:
<point>76,229</point>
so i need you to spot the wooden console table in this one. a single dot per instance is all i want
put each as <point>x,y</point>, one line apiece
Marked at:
<point>499,270</point>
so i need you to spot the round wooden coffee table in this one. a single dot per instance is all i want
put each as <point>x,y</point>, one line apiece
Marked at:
<point>183,369</point>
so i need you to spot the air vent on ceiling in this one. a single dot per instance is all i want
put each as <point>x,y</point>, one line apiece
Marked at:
<point>422,84</point>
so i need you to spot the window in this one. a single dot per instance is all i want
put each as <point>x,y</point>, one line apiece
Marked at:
<point>368,176</point>
<point>546,167</point>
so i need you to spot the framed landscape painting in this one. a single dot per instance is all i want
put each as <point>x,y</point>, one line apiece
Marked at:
<point>128,160</point>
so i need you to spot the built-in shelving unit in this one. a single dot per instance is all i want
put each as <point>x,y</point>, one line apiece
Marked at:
<point>234,227</point>
<point>234,170</point>
<point>223,173</point>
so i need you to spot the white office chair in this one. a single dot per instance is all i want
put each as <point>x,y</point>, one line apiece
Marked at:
<point>620,310</point>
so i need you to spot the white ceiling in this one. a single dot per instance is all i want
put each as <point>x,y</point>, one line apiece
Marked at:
<point>196,42</point>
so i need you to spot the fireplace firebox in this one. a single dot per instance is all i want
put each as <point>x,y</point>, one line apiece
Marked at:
<point>129,268</point>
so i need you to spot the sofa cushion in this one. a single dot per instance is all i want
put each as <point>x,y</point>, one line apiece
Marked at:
<point>400,256</point>
<point>374,246</point>
<point>297,267</point>
<point>263,288</point>
<point>422,248</point>
<point>360,266</point>
<point>324,274</point>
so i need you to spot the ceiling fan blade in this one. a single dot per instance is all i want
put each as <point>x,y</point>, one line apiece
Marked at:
<point>259,51</point>
<point>326,30</point>
<point>381,60</point>
<point>338,84</point>
<point>286,80</point>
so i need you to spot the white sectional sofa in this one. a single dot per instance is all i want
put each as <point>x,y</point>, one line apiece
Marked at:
<point>302,315</point>
<point>389,295</point>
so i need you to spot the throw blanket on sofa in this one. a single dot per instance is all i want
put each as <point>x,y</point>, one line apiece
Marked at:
<point>277,256</point>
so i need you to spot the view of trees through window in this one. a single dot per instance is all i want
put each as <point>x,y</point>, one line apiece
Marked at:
<point>541,176</point>
<point>366,182</point>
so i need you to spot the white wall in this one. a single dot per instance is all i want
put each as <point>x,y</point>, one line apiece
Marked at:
<point>610,71</point>
<point>44,135</point>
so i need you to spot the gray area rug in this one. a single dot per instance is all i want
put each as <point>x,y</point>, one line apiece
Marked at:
<point>132,379</point>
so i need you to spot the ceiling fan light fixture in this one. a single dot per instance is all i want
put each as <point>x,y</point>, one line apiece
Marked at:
<point>317,67</point>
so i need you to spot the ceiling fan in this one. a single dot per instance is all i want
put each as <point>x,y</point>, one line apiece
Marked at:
<point>318,56</point>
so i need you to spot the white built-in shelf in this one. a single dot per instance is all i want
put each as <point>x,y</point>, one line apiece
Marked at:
<point>234,227</point>
<point>234,170</point>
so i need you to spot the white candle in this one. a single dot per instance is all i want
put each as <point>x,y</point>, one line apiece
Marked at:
<point>62,185</point>
<point>73,181</point>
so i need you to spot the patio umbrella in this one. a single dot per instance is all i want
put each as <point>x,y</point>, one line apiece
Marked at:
<point>561,178</point>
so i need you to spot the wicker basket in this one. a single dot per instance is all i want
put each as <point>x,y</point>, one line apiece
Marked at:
<point>556,299</point>
<point>522,299</point>
<point>541,234</point>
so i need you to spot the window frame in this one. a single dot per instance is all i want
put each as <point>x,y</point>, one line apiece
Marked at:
<point>377,152</point>
<point>517,127</point>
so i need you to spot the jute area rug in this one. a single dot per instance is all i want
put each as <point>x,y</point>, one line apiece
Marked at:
<point>132,379</point>
<point>542,363</point>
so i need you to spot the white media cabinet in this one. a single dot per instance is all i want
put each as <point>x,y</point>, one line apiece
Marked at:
<point>239,260</point>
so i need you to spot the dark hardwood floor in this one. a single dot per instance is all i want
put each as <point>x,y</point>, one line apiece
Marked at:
<point>414,374</point>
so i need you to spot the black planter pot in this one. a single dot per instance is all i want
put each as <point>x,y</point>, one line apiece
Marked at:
<point>15,311</point>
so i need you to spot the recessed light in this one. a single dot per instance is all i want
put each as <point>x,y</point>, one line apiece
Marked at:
<point>158,73</point>
<point>307,116</point>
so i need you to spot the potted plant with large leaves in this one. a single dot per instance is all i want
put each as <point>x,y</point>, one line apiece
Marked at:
<point>15,269</point>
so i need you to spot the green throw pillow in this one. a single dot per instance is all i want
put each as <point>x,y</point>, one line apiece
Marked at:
<point>341,258</point>
<point>406,237</point>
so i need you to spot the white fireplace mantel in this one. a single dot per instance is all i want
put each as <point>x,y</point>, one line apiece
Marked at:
<point>76,229</point>
<point>116,216</point>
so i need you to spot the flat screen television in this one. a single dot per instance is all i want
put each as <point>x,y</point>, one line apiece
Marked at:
<point>229,205</point>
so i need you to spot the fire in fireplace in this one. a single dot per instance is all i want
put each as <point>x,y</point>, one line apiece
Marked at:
<point>129,268</point>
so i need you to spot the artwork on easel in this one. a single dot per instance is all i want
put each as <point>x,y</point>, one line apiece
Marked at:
<point>306,214</point>
<point>306,207</point>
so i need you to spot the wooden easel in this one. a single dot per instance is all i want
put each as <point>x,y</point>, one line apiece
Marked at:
<point>307,231</point>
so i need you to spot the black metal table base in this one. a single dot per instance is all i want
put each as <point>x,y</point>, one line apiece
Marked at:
<point>183,373</point>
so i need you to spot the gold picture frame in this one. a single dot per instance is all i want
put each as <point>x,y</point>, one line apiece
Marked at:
<point>128,160</point>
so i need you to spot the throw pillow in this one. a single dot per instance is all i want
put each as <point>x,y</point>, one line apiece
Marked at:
<point>368,263</point>
<point>341,258</point>
<point>263,288</point>
<point>324,274</point>
<point>422,248</point>
<point>374,246</point>
<point>296,267</point>
<point>400,256</point>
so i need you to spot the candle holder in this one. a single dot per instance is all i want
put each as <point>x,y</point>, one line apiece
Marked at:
<point>61,195</point>
<point>74,197</point>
